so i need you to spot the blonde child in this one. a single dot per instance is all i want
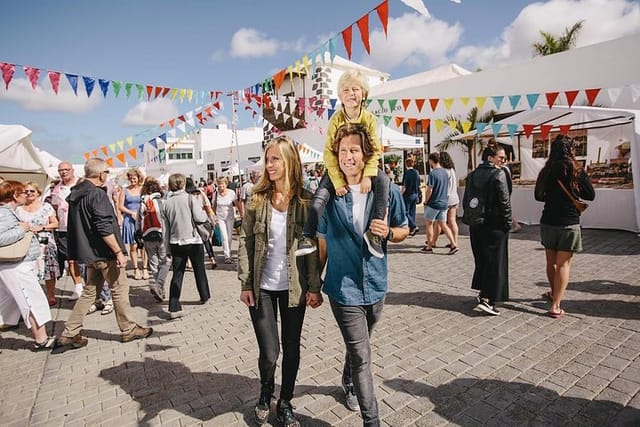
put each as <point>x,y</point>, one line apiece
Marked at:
<point>353,90</point>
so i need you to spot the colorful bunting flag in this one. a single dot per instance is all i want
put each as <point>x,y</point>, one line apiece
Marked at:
<point>33,74</point>
<point>363,26</point>
<point>54,78</point>
<point>7,73</point>
<point>383,13</point>
<point>346,39</point>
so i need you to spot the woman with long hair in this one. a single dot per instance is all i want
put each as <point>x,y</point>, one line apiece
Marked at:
<point>560,222</point>
<point>128,204</point>
<point>452,196</point>
<point>272,277</point>
<point>224,204</point>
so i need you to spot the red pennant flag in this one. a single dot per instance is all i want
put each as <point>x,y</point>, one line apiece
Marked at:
<point>266,100</point>
<point>278,78</point>
<point>149,91</point>
<point>120,157</point>
<point>132,152</point>
<point>419,104</point>
<point>544,131</point>
<point>165,91</point>
<point>399,121</point>
<point>564,129</point>
<point>95,153</point>
<point>54,78</point>
<point>208,111</point>
<point>211,94</point>
<point>434,103</point>
<point>412,124</point>
<point>104,150</point>
<point>216,105</point>
<point>551,98</point>
<point>425,124</point>
<point>199,117</point>
<point>33,74</point>
<point>157,92</point>
<point>181,117</point>
<point>591,95</point>
<point>7,73</point>
<point>172,122</point>
<point>363,26</point>
<point>405,103</point>
<point>571,96</point>
<point>87,156</point>
<point>346,38</point>
<point>383,13</point>
<point>528,130</point>
<point>109,161</point>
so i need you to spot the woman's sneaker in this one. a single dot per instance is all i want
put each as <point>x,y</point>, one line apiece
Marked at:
<point>263,407</point>
<point>350,398</point>
<point>485,306</point>
<point>285,415</point>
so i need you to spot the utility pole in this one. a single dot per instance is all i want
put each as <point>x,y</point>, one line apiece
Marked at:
<point>234,130</point>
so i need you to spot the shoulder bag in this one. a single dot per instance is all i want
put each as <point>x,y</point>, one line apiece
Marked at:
<point>579,204</point>
<point>205,228</point>
<point>16,251</point>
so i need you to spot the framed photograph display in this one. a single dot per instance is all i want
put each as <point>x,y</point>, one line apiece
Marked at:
<point>540,148</point>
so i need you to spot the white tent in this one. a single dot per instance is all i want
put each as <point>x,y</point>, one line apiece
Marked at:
<point>19,159</point>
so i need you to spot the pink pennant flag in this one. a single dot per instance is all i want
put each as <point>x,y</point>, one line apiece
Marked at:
<point>33,74</point>
<point>54,78</point>
<point>7,73</point>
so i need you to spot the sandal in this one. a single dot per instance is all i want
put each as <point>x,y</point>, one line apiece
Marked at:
<point>548,296</point>
<point>53,301</point>
<point>556,314</point>
<point>48,344</point>
<point>426,249</point>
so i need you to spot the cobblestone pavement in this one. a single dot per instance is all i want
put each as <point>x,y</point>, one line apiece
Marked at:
<point>436,361</point>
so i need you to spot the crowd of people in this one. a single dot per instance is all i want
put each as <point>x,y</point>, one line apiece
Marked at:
<point>292,229</point>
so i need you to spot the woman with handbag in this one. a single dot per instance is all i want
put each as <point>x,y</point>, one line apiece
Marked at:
<point>224,204</point>
<point>42,217</point>
<point>19,250</point>
<point>560,222</point>
<point>183,242</point>
<point>272,277</point>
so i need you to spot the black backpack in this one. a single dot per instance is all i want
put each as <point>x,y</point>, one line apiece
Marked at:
<point>474,202</point>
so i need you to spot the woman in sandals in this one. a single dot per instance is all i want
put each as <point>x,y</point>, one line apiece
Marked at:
<point>19,286</point>
<point>560,222</point>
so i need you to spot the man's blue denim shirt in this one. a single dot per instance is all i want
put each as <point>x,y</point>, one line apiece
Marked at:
<point>354,276</point>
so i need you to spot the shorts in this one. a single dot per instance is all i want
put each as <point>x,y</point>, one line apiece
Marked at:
<point>431,214</point>
<point>566,238</point>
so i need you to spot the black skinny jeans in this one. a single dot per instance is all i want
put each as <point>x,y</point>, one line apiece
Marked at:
<point>179,255</point>
<point>265,324</point>
<point>379,184</point>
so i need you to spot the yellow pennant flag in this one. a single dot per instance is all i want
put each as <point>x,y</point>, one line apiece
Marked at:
<point>464,100</point>
<point>120,144</point>
<point>480,100</point>
<point>298,66</point>
<point>290,71</point>
<point>466,126</point>
<point>439,124</point>
<point>112,147</point>
<point>189,94</point>
<point>129,140</point>
<point>174,92</point>
<point>453,124</point>
<point>183,92</point>
<point>447,103</point>
<point>306,63</point>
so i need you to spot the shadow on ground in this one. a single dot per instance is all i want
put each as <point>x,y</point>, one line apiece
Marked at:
<point>470,402</point>
<point>437,300</point>
<point>158,385</point>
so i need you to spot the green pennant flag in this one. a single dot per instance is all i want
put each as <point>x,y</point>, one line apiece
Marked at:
<point>116,85</point>
<point>127,89</point>
<point>367,103</point>
<point>381,103</point>
<point>386,119</point>
<point>140,89</point>
<point>392,105</point>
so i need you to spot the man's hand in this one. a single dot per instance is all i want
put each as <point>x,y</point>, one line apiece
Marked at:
<point>314,299</point>
<point>247,298</point>
<point>121,260</point>
<point>379,227</point>
<point>342,191</point>
<point>365,184</point>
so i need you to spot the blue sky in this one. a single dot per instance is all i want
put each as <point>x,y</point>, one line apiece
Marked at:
<point>230,45</point>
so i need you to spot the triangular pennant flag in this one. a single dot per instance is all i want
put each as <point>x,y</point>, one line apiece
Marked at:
<point>405,104</point>
<point>165,91</point>
<point>480,127</point>
<point>95,153</point>
<point>153,143</point>
<point>132,153</point>
<point>528,130</point>
<point>512,128</point>
<point>189,94</point>
<point>425,124</point>
<point>116,85</point>
<point>120,144</point>
<point>448,102</point>
<point>614,94</point>
<point>7,73</point>
<point>564,129</point>
<point>346,38</point>
<point>333,102</point>
<point>109,161</point>
<point>73,82</point>
<point>330,112</point>
<point>121,157</point>
<point>532,99</point>
<point>571,96</point>
<point>163,137</point>
<point>544,131</point>
<point>480,100</point>
<point>278,78</point>
<point>381,103</point>
<point>591,95</point>
<point>140,89</point>
<point>495,127</point>
<point>514,100</point>
<point>439,124</point>
<point>157,91</point>
<point>412,124</point>
<point>551,98</point>
<point>453,123</point>
<point>129,140</point>
<point>386,120</point>
<point>33,74</point>
<point>420,104</point>
<point>127,89</point>
<point>104,86</point>
<point>87,155</point>
<point>392,105</point>
<point>635,92</point>
<point>363,26</point>
<point>497,101</point>
<point>141,148</point>
<point>434,103</point>
<point>54,78</point>
<point>89,83</point>
<point>112,147</point>
<point>332,50</point>
<point>174,92</point>
<point>399,121</point>
<point>104,149</point>
<point>181,94</point>
<point>466,125</point>
<point>383,13</point>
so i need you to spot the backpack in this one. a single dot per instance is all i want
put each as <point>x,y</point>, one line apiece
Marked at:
<point>151,225</point>
<point>474,203</point>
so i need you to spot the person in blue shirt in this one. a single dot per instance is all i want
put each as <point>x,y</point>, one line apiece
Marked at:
<point>436,200</point>
<point>356,281</point>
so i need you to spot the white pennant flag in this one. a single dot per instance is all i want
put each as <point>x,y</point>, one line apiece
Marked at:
<point>418,6</point>
<point>614,94</point>
<point>635,92</point>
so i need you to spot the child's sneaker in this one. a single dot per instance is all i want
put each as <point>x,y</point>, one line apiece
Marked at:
<point>374,243</point>
<point>306,246</point>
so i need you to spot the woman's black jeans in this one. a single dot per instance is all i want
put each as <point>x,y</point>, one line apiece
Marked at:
<point>265,324</point>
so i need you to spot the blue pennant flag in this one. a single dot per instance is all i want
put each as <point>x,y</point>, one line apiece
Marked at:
<point>512,128</point>
<point>104,86</point>
<point>532,99</point>
<point>73,81</point>
<point>89,82</point>
<point>497,100</point>
<point>514,100</point>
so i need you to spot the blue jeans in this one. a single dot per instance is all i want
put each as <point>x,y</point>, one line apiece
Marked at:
<point>356,324</point>
<point>410,201</point>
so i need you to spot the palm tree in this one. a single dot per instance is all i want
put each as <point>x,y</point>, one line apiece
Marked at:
<point>470,143</point>
<point>553,44</point>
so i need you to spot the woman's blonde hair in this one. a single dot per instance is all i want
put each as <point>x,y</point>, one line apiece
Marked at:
<point>293,175</point>
<point>34,185</point>
<point>136,172</point>
<point>222,179</point>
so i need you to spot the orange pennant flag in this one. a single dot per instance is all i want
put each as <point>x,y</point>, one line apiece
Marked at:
<point>132,152</point>
<point>87,156</point>
<point>399,121</point>
<point>363,26</point>
<point>346,38</point>
<point>104,150</point>
<point>434,103</point>
<point>95,153</point>
<point>165,91</point>
<point>383,13</point>
<point>278,78</point>
<point>412,124</point>
<point>157,92</point>
<point>149,91</point>
<point>120,157</point>
<point>425,124</point>
<point>405,104</point>
<point>420,103</point>
<point>109,161</point>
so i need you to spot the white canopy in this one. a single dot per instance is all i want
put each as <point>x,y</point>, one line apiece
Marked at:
<point>19,159</point>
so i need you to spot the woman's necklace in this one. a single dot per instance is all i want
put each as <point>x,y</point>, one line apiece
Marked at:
<point>280,201</point>
<point>349,119</point>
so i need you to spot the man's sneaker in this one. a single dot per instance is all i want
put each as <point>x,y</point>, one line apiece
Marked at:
<point>284,412</point>
<point>263,407</point>
<point>306,246</point>
<point>138,332</point>
<point>374,243</point>
<point>488,308</point>
<point>156,292</point>
<point>413,232</point>
<point>350,397</point>
<point>73,342</point>
<point>175,314</point>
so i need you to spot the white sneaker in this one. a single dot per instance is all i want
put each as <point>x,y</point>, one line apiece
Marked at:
<point>175,314</point>
<point>77,293</point>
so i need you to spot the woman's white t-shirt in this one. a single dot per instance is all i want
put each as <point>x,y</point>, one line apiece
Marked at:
<point>275,276</point>
<point>224,206</point>
<point>359,205</point>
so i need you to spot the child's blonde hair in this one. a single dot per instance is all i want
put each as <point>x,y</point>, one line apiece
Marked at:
<point>354,76</point>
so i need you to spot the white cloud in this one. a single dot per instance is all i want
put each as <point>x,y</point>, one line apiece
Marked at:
<point>603,20</point>
<point>43,98</point>
<point>250,43</point>
<point>413,40</point>
<point>150,113</point>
